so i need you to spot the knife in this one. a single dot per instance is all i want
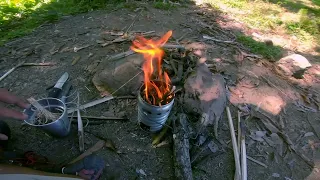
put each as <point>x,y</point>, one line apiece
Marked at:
<point>65,91</point>
<point>56,90</point>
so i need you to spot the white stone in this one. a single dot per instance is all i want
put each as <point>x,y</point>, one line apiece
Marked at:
<point>293,64</point>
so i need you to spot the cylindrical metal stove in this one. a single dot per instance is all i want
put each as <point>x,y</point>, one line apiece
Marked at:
<point>154,117</point>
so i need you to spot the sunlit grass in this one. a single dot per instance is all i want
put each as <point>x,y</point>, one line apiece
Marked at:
<point>20,17</point>
<point>299,18</point>
<point>270,52</point>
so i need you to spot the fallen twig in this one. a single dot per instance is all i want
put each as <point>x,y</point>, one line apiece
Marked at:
<point>117,40</point>
<point>275,129</point>
<point>91,104</point>
<point>100,144</point>
<point>102,100</point>
<point>235,146</point>
<point>101,118</point>
<point>172,46</point>
<point>120,55</point>
<point>25,64</point>
<point>11,70</point>
<point>292,147</point>
<point>217,40</point>
<point>317,133</point>
<point>125,97</point>
<point>75,49</point>
<point>134,20</point>
<point>257,162</point>
<point>39,64</point>
<point>271,84</point>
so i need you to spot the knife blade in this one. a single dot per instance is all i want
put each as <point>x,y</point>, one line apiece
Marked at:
<point>65,91</point>
<point>56,90</point>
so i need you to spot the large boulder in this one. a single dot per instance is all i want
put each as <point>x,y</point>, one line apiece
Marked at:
<point>293,65</point>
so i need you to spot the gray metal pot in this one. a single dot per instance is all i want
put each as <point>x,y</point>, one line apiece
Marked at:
<point>58,128</point>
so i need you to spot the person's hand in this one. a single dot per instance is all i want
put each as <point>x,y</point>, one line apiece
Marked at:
<point>9,98</point>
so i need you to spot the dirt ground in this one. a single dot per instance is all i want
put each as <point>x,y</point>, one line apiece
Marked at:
<point>251,81</point>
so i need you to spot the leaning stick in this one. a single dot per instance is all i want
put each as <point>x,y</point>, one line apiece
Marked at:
<point>234,145</point>
<point>243,149</point>
<point>80,128</point>
<point>239,132</point>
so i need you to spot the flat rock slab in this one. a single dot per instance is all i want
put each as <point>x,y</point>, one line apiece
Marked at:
<point>111,75</point>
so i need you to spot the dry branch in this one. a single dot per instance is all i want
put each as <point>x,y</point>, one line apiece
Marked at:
<point>257,162</point>
<point>25,64</point>
<point>217,40</point>
<point>11,70</point>
<point>100,118</point>
<point>39,64</point>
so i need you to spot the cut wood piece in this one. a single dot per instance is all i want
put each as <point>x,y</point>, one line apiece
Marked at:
<point>181,148</point>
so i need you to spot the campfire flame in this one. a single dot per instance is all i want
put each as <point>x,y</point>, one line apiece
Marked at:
<point>153,54</point>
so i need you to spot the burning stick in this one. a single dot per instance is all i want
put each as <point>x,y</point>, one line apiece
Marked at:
<point>235,146</point>
<point>156,92</point>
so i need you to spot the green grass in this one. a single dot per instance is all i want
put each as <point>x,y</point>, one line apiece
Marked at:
<point>20,17</point>
<point>163,6</point>
<point>299,18</point>
<point>270,52</point>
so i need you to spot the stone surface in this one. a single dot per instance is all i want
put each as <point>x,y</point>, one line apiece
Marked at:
<point>110,76</point>
<point>205,93</point>
<point>293,65</point>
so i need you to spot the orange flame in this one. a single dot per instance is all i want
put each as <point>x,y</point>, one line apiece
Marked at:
<point>153,54</point>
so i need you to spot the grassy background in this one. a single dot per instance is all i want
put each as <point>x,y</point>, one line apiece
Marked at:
<point>296,17</point>
<point>20,17</point>
<point>300,18</point>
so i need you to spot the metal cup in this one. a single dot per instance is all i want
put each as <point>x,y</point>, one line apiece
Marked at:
<point>57,128</point>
